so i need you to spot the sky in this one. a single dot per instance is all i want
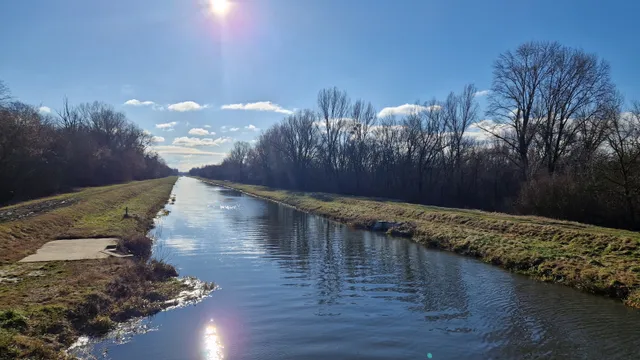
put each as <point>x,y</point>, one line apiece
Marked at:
<point>198,80</point>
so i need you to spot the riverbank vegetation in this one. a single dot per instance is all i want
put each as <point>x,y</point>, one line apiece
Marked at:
<point>593,259</point>
<point>557,140</point>
<point>44,307</point>
<point>90,144</point>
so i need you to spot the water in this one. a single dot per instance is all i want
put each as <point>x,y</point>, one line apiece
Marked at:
<point>296,286</point>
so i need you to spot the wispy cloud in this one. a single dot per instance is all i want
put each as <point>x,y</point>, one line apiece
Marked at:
<point>200,132</point>
<point>251,127</point>
<point>180,150</point>
<point>186,106</point>
<point>234,129</point>
<point>136,102</point>
<point>167,126</point>
<point>44,110</point>
<point>405,109</point>
<point>482,93</point>
<point>192,141</point>
<point>258,106</point>
<point>127,89</point>
<point>157,139</point>
<point>207,126</point>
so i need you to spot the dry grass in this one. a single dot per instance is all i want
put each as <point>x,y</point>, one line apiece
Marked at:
<point>590,258</point>
<point>45,306</point>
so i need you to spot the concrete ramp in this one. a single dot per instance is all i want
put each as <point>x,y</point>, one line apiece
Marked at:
<point>74,249</point>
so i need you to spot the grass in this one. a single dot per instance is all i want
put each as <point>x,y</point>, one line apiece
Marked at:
<point>592,259</point>
<point>44,307</point>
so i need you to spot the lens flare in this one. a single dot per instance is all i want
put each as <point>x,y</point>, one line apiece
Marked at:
<point>220,7</point>
<point>212,344</point>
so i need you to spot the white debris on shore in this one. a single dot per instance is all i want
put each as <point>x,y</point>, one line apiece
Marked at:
<point>84,347</point>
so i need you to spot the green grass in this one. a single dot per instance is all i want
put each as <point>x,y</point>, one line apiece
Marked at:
<point>97,212</point>
<point>52,303</point>
<point>593,259</point>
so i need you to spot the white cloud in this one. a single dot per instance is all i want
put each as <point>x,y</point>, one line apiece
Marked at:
<point>192,141</point>
<point>44,110</point>
<point>251,127</point>
<point>146,132</point>
<point>186,106</point>
<point>136,102</point>
<point>482,130</point>
<point>258,106</point>
<point>482,93</point>
<point>167,126</point>
<point>157,139</point>
<point>207,126</point>
<point>179,150</point>
<point>226,128</point>
<point>405,109</point>
<point>200,132</point>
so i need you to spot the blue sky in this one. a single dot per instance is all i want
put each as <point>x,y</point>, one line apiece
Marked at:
<point>277,54</point>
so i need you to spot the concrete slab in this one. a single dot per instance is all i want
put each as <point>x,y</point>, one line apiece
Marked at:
<point>72,249</point>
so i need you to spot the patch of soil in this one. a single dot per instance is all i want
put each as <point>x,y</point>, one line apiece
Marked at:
<point>25,211</point>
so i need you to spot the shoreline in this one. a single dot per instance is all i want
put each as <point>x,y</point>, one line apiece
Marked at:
<point>592,259</point>
<point>49,305</point>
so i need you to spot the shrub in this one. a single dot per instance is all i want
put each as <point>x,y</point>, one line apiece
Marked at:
<point>13,320</point>
<point>138,245</point>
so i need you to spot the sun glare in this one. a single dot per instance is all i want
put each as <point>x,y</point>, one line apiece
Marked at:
<point>220,7</point>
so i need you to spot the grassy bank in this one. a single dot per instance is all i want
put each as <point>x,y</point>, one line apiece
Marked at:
<point>44,307</point>
<point>593,259</point>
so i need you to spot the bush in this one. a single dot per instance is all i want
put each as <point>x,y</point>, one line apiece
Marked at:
<point>162,271</point>
<point>100,325</point>
<point>13,320</point>
<point>138,245</point>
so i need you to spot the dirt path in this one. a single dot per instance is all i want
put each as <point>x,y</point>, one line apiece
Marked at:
<point>16,212</point>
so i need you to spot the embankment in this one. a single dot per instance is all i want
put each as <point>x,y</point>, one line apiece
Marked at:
<point>593,259</point>
<point>44,307</point>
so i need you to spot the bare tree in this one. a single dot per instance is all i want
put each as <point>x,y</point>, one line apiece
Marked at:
<point>5,94</point>
<point>459,112</point>
<point>363,118</point>
<point>514,99</point>
<point>624,141</point>
<point>333,106</point>
<point>576,89</point>
<point>300,142</point>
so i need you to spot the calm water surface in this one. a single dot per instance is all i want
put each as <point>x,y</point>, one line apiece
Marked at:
<point>296,286</point>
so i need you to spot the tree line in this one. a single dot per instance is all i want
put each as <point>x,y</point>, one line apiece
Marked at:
<point>89,144</point>
<point>556,141</point>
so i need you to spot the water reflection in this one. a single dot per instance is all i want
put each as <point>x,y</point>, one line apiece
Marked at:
<point>212,344</point>
<point>297,286</point>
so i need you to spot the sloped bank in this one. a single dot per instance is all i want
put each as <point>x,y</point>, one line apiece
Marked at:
<point>45,307</point>
<point>592,259</point>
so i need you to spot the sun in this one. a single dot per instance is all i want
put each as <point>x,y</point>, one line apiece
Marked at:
<point>219,7</point>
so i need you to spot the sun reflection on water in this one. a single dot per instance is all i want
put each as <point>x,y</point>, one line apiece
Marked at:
<point>212,344</point>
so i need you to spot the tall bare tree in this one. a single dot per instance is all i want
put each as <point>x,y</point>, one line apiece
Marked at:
<point>624,141</point>
<point>515,95</point>
<point>576,89</point>
<point>299,143</point>
<point>334,106</point>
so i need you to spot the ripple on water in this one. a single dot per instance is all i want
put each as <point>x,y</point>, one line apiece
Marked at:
<point>296,286</point>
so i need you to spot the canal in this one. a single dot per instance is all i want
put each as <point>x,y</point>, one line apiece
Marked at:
<point>297,286</point>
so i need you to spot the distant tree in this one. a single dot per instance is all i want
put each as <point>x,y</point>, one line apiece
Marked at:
<point>559,145</point>
<point>85,145</point>
<point>333,107</point>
